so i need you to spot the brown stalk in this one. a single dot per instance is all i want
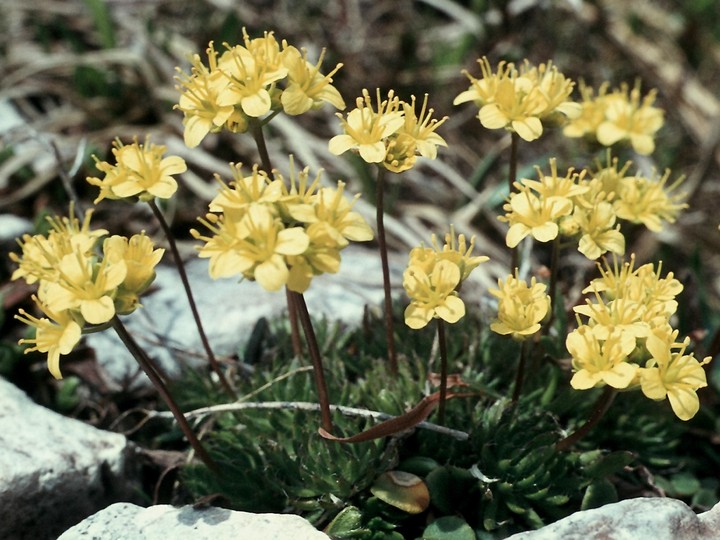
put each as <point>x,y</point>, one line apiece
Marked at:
<point>382,244</point>
<point>153,374</point>
<point>601,406</point>
<point>315,358</point>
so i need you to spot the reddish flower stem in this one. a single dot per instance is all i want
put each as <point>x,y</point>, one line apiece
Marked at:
<point>520,375</point>
<point>443,370</point>
<point>153,374</point>
<point>601,407</point>
<point>316,359</point>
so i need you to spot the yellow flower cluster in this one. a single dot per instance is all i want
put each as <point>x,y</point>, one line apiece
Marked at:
<point>141,170</point>
<point>76,285</point>
<point>621,115</point>
<point>627,340</point>
<point>251,81</point>
<point>519,99</point>
<point>588,206</point>
<point>521,307</point>
<point>276,233</point>
<point>434,276</point>
<point>390,132</point>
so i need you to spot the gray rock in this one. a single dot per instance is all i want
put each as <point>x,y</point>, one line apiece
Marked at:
<point>54,471</point>
<point>652,518</point>
<point>124,521</point>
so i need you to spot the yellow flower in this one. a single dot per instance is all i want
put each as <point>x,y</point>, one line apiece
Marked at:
<point>516,107</point>
<point>366,130</point>
<point>552,185</point>
<point>636,300</point>
<point>256,246</point>
<point>649,200</point>
<point>41,255</point>
<point>140,170</point>
<point>673,374</point>
<point>243,191</point>
<point>483,91</point>
<point>432,295</point>
<point>198,102</point>
<point>554,89</point>
<point>322,256</point>
<point>598,234</point>
<point>400,153</point>
<point>421,127</point>
<point>531,215</point>
<point>521,307</point>
<point>629,118</point>
<point>140,258</point>
<point>598,361</point>
<point>455,250</point>
<point>307,88</point>
<point>621,314</point>
<point>55,334</point>
<point>220,247</point>
<point>606,180</point>
<point>85,285</point>
<point>518,100</point>
<point>251,72</point>
<point>332,214</point>
<point>592,112</point>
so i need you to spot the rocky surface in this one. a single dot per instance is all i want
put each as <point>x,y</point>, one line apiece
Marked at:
<point>633,519</point>
<point>54,470</point>
<point>124,521</point>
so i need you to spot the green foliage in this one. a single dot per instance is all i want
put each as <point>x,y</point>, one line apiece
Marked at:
<point>507,477</point>
<point>103,22</point>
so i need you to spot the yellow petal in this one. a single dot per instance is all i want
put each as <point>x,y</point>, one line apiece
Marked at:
<point>684,402</point>
<point>515,234</point>
<point>373,153</point>
<point>341,143</point>
<point>295,101</point>
<point>583,380</point>
<point>621,375</point>
<point>98,311</point>
<point>491,117</point>
<point>416,316</point>
<point>452,310</point>
<point>272,274</point>
<point>528,129</point>
<point>256,105</point>
<point>293,241</point>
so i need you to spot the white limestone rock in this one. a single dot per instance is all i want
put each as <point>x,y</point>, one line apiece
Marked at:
<point>651,518</point>
<point>124,521</point>
<point>54,471</point>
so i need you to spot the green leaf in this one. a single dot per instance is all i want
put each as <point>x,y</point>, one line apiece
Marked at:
<point>448,528</point>
<point>705,498</point>
<point>609,464</point>
<point>419,465</point>
<point>685,484</point>
<point>103,22</point>
<point>449,488</point>
<point>599,493</point>
<point>347,524</point>
<point>67,397</point>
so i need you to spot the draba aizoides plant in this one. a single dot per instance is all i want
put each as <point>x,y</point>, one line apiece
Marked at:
<point>282,229</point>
